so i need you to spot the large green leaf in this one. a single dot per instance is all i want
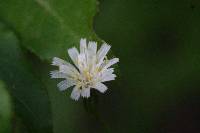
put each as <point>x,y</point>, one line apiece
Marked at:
<point>158,46</point>
<point>5,109</point>
<point>29,95</point>
<point>49,27</point>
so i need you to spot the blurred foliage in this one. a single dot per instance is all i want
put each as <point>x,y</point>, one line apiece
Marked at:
<point>157,42</point>
<point>28,92</point>
<point>48,27</point>
<point>5,109</point>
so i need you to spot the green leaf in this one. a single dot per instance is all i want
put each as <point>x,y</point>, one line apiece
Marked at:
<point>28,92</point>
<point>49,27</point>
<point>5,109</point>
<point>157,43</point>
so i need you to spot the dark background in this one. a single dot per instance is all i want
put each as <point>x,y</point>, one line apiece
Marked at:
<point>158,43</point>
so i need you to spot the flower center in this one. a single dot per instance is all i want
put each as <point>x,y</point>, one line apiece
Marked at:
<point>85,79</point>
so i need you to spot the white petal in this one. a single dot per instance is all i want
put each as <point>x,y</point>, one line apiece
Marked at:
<point>82,64</point>
<point>69,70</point>
<point>108,78</point>
<point>57,74</point>
<point>73,53</point>
<point>102,53</point>
<point>57,61</point>
<point>76,92</point>
<point>110,63</point>
<point>100,87</point>
<point>106,72</point>
<point>109,70</point>
<point>107,75</point>
<point>63,85</point>
<point>91,55</point>
<point>92,47</point>
<point>83,46</point>
<point>73,68</point>
<point>103,50</point>
<point>85,92</point>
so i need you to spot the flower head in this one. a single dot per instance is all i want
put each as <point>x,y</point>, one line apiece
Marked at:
<point>91,68</point>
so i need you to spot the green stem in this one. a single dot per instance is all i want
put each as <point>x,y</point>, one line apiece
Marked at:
<point>91,107</point>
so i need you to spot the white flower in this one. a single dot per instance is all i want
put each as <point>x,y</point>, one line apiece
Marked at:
<point>91,69</point>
